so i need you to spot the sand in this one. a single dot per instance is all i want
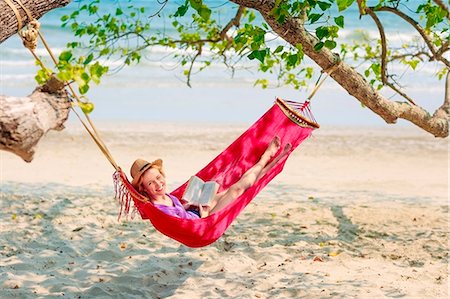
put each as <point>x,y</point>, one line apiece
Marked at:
<point>357,213</point>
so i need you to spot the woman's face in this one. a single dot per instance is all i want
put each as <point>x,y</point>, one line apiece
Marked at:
<point>153,183</point>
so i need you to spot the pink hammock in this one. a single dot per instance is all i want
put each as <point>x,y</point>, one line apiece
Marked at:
<point>280,120</point>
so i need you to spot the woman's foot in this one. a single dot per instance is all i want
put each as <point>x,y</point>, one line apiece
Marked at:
<point>272,149</point>
<point>285,151</point>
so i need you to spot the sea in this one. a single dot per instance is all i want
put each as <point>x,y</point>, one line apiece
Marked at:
<point>155,90</point>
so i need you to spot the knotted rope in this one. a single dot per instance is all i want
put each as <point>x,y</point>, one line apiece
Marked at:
<point>30,34</point>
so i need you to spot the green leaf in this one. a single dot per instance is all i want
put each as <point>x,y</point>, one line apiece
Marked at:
<point>181,11</point>
<point>98,70</point>
<point>204,12</point>
<point>73,45</point>
<point>278,49</point>
<point>376,68</point>
<point>80,32</point>
<point>344,4</point>
<point>263,82</point>
<point>258,54</point>
<point>105,51</point>
<point>292,59</point>
<point>74,14</point>
<point>251,17</point>
<point>413,64</point>
<point>41,76</point>
<point>330,44</point>
<point>84,89</point>
<point>92,9</point>
<point>324,5</point>
<point>318,46</point>
<point>322,32</point>
<point>88,59</point>
<point>314,17</point>
<point>119,12</point>
<point>95,78</point>
<point>85,77</point>
<point>65,56</point>
<point>87,107</point>
<point>196,4</point>
<point>339,21</point>
<point>65,76</point>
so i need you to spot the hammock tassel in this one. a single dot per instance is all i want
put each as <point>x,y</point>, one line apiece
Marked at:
<point>124,193</point>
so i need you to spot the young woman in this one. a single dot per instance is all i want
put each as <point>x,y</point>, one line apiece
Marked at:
<point>149,179</point>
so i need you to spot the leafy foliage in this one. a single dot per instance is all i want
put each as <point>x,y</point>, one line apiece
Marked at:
<point>123,34</point>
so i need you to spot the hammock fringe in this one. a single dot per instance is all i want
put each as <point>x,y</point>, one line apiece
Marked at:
<point>125,194</point>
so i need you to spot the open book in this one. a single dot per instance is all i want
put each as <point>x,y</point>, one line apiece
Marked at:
<point>200,192</point>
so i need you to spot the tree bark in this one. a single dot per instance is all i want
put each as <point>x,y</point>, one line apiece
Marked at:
<point>293,31</point>
<point>37,8</point>
<point>25,120</point>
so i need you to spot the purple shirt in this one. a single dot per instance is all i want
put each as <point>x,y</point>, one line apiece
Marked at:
<point>177,209</point>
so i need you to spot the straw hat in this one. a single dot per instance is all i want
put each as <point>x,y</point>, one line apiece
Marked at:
<point>139,167</point>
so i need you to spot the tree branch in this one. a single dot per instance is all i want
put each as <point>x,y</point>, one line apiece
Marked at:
<point>233,22</point>
<point>413,23</point>
<point>25,120</point>
<point>8,20</point>
<point>346,76</point>
<point>361,7</point>
<point>384,77</point>
<point>397,90</point>
<point>444,48</point>
<point>199,52</point>
<point>444,110</point>
<point>383,43</point>
<point>416,55</point>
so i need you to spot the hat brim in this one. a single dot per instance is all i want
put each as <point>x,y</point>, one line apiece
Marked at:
<point>136,180</point>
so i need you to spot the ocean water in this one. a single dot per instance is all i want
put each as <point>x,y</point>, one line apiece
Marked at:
<point>156,90</point>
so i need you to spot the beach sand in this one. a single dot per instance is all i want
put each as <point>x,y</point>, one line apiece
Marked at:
<point>356,213</point>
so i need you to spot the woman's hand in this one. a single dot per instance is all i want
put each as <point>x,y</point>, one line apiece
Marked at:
<point>204,211</point>
<point>186,205</point>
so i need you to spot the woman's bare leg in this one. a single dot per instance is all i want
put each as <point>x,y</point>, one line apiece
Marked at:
<point>249,178</point>
<point>269,166</point>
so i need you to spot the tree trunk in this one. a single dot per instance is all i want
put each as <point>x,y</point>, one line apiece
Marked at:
<point>293,31</point>
<point>25,120</point>
<point>37,8</point>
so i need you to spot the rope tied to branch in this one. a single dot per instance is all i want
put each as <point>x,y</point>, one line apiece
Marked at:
<point>319,83</point>
<point>30,34</point>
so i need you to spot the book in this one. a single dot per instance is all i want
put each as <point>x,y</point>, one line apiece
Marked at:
<point>199,192</point>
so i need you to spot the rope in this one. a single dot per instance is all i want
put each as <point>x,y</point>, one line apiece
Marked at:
<point>319,82</point>
<point>30,34</point>
<point>29,37</point>
<point>16,12</point>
